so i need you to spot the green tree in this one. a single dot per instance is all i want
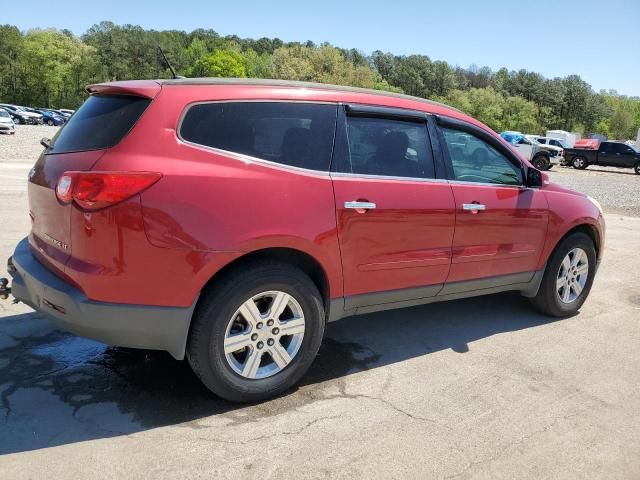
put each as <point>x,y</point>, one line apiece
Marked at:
<point>621,124</point>
<point>220,63</point>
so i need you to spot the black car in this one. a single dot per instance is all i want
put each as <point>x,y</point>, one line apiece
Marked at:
<point>18,115</point>
<point>610,154</point>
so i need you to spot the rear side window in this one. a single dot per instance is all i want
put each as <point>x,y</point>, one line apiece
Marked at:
<point>295,134</point>
<point>101,122</point>
<point>387,147</point>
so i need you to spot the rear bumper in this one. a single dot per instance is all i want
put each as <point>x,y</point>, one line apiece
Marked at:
<point>134,326</point>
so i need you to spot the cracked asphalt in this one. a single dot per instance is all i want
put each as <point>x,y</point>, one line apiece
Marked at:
<point>478,388</point>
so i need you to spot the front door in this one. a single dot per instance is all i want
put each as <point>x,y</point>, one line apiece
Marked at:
<point>500,224</point>
<point>395,219</point>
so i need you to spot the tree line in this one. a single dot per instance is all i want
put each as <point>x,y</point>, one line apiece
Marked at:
<point>50,68</point>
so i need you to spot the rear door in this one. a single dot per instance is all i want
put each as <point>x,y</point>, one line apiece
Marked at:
<point>500,223</point>
<point>395,217</point>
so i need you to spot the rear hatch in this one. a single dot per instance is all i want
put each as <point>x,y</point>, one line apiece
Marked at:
<point>99,124</point>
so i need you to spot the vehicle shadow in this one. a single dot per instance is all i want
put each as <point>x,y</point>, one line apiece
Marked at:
<point>56,388</point>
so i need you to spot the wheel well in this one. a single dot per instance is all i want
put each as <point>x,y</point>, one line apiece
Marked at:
<point>589,230</point>
<point>302,260</point>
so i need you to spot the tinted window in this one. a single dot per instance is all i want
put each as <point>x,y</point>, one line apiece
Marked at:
<point>393,148</point>
<point>296,134</point>
<point>606,147</point>
<point>474,160</point>
<point>101,122</point>
<point>622,148</point>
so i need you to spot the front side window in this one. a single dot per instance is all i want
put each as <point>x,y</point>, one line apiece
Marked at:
<point>295,134</point>
<point>474,160</point>
<point>387,147</point>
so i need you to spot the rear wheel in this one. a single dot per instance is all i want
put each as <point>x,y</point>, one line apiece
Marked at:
<point>580,163</point>
<point>541,162</point>
<point>568,277</point>
<point>256,332</point>
<point>50,123</point>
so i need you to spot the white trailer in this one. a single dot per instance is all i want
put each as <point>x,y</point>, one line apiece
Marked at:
<point>567,137</point>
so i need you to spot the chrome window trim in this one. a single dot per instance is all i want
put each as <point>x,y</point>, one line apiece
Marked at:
<point>493,185</point>
<point>248,159</point>
<point>387,177</point>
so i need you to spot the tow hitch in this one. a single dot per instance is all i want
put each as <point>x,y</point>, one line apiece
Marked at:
<point>4,289</point>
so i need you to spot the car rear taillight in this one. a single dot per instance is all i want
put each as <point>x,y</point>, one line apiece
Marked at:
<point>96,190</point>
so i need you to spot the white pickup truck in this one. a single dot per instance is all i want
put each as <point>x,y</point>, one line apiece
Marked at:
<point>541,156</point>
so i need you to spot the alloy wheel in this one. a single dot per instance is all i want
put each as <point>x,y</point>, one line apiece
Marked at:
<point>264,335</point>
<point>572,275</point>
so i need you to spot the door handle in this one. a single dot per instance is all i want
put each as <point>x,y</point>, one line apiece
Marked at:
<point>473,207</point>
<point>355,205</point>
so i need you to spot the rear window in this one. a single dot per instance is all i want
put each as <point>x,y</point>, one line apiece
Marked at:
<point>101,122</point>
<point>295,134</point>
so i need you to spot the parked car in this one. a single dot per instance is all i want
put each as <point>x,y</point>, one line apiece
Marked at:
<point>66,112</point>
<point>610,154</point>
<point>229,220</point>
<point>18,115</point>
<point>568,138</point>
<point>37,116</point>
<point>554,142</point>
<point>50,117</point>
<point>6,122</point>
<point>555,151</point>
<point>539,156</point>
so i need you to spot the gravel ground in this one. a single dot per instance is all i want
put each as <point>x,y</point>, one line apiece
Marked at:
<point>617,189</point>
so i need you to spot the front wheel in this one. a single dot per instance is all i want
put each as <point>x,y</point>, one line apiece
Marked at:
<point>256,332</point>
<point>568,277</point>
<point>579,163</point>
<point>636,168</point>
<point>541,162</point>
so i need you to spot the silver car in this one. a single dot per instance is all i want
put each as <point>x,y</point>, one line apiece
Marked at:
<point>6,122</point>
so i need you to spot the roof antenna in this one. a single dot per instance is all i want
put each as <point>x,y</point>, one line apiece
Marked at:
<point>173,72</point>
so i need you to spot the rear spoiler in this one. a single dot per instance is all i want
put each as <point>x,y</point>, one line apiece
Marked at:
<point>138,88</point>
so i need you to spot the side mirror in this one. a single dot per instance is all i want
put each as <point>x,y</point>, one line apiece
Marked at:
<point>534,178</point>
<point>45,142</point>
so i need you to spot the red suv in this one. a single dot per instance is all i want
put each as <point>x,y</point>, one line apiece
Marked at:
<point>230,220</point>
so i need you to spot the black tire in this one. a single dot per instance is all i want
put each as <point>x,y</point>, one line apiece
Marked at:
<point>636,168</point>
<point>547,300</point>
<point>540,162</point>
<point>579,163</point>
<point>205,347</point>
<point>50,123</point>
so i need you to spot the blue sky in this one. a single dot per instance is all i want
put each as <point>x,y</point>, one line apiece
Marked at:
<point>600,41</point>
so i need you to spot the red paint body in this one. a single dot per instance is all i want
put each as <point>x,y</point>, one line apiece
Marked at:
<point>162,246</point>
